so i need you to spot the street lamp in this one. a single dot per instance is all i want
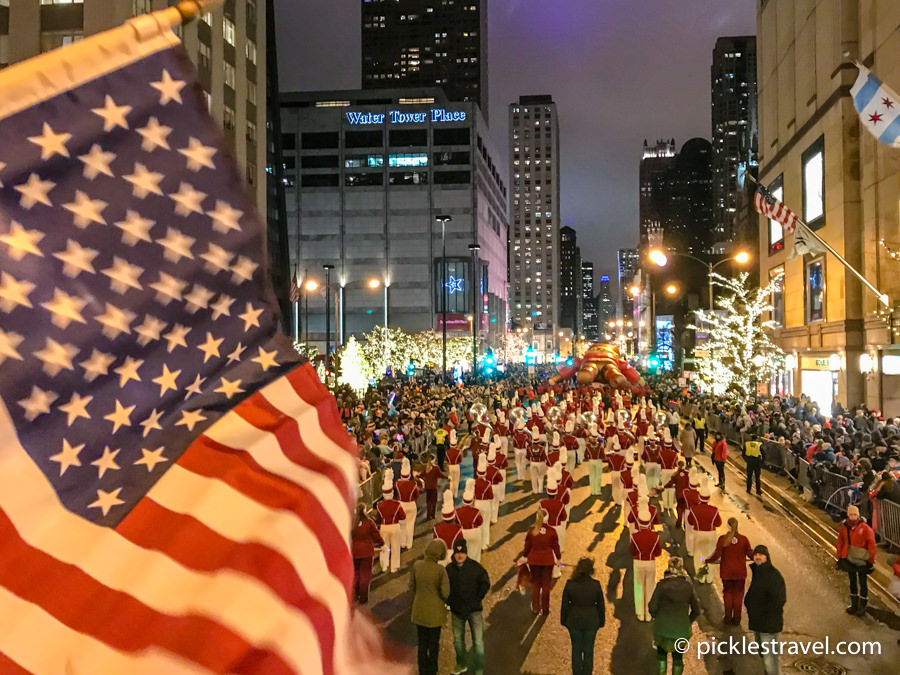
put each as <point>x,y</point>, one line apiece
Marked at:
<point>327,269</point>
<point>443,220</point>
<point>660,258</point>
<point>473,251</point>
<point>671,289</point>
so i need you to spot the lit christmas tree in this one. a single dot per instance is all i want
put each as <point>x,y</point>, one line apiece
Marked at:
<point>739,351</point>
<point>355,369</point>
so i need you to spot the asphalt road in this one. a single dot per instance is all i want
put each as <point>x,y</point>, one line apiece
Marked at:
<point>517,642</point>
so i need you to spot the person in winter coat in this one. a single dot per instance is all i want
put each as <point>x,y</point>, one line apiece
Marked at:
<point>765,601</point>
<point>430,476</point>
<point>541,554</point>
<point>583,613</point>
<point>674,607</point>
<point>687,440</point>
<point>720,454</point>
<point>469,583</point>
<point>431,588</point>
<point>364,539</point>
<point>856,556</point>
<point>733,550</point>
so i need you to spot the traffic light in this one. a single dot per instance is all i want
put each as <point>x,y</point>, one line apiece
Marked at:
<point>411,369</point>
<point>654,363</point>
<point>569,361</point>
<point>489,357</point>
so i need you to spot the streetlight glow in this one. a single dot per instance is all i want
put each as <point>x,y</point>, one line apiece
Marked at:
<point>742,257</point>
<point>374,283</point>
<point>658,257</point>
<point>311,285</point>
<point>635,290</point>
<point>671,289</point>
<point>620,322</point>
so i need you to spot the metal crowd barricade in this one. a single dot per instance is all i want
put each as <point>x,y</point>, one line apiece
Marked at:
<point>887,521</point>
<point>370,489</point>
<point>788,460</point>
<point>772,456</point>
<point>803,474</point>
<point>834,490</point>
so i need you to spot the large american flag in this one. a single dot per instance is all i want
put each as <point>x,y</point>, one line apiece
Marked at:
<point>175,485</point>
<point>766,204</point>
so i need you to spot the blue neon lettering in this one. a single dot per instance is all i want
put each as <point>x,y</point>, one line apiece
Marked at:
<point>400,117</point>
<point>441,115</point>
<point>365,118</point>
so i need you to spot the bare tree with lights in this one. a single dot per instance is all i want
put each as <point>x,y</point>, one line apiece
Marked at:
<point>739,347</point>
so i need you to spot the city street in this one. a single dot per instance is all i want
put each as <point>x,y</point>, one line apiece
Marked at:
<point>516,641</point>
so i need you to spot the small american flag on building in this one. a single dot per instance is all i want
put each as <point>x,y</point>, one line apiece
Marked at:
<point>767,205</point>
<point>175,485</point>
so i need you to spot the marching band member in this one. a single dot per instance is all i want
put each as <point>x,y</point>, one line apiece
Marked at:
<point>391,514</point>
<point>593,452</point>
<point>521,441</point>
<point>454,460</point>
<point>449,530</point>
<point>484,495</point>
<point>407,493</point>
<point>470,520</point>
<point>645,549</point>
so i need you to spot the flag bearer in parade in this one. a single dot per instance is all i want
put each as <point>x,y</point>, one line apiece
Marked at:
<point>645,549</point>
<point>449,530</point>
<point>391,514</point>
<point>407,493</point>
<point>471,521</point>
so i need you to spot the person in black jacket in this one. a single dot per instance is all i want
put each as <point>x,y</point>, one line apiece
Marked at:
<point>469,583</point>
<point>765,607</point>
<point>583,613</point>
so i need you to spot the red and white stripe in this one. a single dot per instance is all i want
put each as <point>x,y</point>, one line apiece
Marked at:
<point>777,212</point>
<point>236,561</point>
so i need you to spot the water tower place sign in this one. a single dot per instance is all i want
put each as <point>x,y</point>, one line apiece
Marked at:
<point>400,117</point>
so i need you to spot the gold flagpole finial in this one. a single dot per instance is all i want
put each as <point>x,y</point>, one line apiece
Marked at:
<point>193,9</point>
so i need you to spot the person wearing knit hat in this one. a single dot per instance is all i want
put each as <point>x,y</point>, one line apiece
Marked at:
<point>364,538</point>
<point>471,520</point>
<point>454,461</point>
<point>449,530</point>
<point>704,519</point>
<point>645,549</point>
<point>594,453</point>
<point>484,495</point>
<point>765,600</point>
<point>392,515</point>
<point>537,467</point>
<point>855,548</point>
<point>521,441</point>
<point>674,607</point>
<point>407,493</point>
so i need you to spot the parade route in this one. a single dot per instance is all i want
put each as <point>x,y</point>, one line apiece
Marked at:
<point>516,641</point>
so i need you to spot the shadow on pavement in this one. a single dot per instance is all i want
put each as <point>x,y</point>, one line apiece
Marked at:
<point>606,525</point>
<point>509,635</point>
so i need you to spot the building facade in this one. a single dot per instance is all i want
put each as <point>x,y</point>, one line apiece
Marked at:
<point>656,160</point>
<point>534,259</point>
<point>570,291</point>
<point>368,175</point>
<point>606,305</point>
<point>427,43</point>
<point>589,303</point>
<point>815,157</point>
<point>735,128</point>
<point>629,260</point>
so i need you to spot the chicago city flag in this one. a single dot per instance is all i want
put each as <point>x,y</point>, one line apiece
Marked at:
<point>175,485</point>
<point>878,107</point>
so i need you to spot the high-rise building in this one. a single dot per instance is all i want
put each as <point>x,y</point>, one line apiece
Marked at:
<point>534,267</point>
<point>228,46</point>
<point>589,303</point>
<point>570,292</point>
<point>734,127</point>
<point>817,158</point>
<point>606,306</point>
<point>628,259</point>
<point>368,176</point>
<point>427,43</point>
<point>655,163</point>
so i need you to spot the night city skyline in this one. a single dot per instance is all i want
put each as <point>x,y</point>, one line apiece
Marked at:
<point>580,52</point>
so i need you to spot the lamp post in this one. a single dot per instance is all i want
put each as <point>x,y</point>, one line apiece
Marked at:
<point>327,269</point>
<point>443,220</point>
<point>660,258</point>
<point>310,286</point>
<point>473,251</point>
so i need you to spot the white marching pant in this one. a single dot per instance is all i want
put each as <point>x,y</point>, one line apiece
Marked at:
<point>538,471</point>
<point>618,489</point>
<point>580,451</point>
<point>521,463</point>
<point>484,508</point>
<point>668,498</point>
<point>495,503</point>
<point>571,458</point>
<point>653,474</point>
<point>504,444</point>
<point>473,543</point>
<point>704,546</point>
<point>561,535</point>
<point>408,526</point>
<point>644,585</point>
<point>502,487</point>
<point>453,470</point>
<point>390,552</point>
<point>689,533</point>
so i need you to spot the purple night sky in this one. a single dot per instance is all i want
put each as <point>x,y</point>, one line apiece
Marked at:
<point>620,71</point>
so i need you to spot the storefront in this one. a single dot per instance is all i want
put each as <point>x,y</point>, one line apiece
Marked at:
<point>819,379</point>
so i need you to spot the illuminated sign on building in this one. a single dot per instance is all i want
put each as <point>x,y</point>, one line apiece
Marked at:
<point>400,117</point>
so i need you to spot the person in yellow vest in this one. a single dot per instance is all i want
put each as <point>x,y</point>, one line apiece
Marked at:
<point>753,458</point>
<point>698,419</point>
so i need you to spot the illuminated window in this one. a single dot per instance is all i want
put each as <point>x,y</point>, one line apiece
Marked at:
<point>228,30</point>
<point>776,276</point>
<point>815,290</point>
<point>250,51</point>
<point>813,162</point>
<point>776,232</point>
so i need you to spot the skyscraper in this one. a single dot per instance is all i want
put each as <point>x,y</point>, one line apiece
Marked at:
<point>734,126</point>
<point>534,218</point>
<point>569,280</point>
<point>606,308</point>
<point>588,302</point>
<point>427,43</point>
<point>655,163</point>
<point>628,259</point>
<point>228,46</point>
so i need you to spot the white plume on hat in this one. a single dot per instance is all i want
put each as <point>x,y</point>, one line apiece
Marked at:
<point>555,439</point>
<point>564,456</point>
<point>447,508</point>
<point>404,468</point>
<point>614,443</point>
<point>482,463</point>
<point>552,482</point>
<point>592,429</point>
<point>704,490</point>
<point>501,416</point>
<point>535,434</point>
<point>643,514</point>
<point>570,426</point>
<point>453,437</point>
<point>469,492</point>
<point>486,436</point>
<point>667,434</point>
<point>540,411</point>
<point>693,476</point>
<point>629,455</point>
<point>641,482</point>
<point>492,454</point>
<point>387,485</point>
